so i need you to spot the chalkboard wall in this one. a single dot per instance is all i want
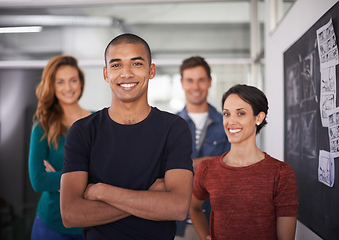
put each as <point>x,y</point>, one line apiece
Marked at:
<point>304,132</point>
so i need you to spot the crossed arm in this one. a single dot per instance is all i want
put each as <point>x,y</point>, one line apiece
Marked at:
<point>96,204</point>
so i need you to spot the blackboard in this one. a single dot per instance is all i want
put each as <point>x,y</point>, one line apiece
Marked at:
<point>304,133</point>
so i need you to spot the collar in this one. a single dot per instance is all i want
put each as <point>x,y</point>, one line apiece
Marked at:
<point>213,114</point>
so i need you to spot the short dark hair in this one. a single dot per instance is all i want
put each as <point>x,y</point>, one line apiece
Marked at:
<point>195,62</point>
<point>129,38</point>
<point>253,96</point>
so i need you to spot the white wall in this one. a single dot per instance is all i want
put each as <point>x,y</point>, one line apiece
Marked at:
<point>302,15</point>
<point>88,44</point>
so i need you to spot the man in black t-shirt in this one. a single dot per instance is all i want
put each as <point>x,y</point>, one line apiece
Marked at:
<point>128,168</point>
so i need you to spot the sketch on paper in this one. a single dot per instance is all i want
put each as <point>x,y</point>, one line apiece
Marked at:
<point>328,80</point>
<point>327,93</point>
<point>326,172</point>
<point>292,134</point>
<point>327,45</point>
<point>293,85</point>
<point>308,132</point>
<point>333,131</point>
<point>327,102</point>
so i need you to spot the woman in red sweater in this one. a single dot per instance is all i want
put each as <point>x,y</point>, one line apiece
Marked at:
<point>253,195</point>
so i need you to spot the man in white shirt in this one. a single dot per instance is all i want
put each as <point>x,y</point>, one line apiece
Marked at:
<point>205,122</point>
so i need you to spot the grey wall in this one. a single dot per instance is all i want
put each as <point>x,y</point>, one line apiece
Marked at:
<point>17,104</point>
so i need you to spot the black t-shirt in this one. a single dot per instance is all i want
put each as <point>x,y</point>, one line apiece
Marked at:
<point>132,157</point>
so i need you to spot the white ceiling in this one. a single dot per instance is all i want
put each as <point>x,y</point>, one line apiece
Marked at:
<point>174,29</point>
<point>138,12</point>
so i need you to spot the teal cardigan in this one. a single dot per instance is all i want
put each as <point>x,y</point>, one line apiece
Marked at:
<point>48,183</point>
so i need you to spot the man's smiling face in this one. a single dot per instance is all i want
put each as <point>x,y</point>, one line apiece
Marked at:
<point>128,71</point>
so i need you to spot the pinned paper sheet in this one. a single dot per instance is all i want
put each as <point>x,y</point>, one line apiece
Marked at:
<point>328,93</point>
<point>327,45</point>
<point>326,168</point>
<point>333,131</point>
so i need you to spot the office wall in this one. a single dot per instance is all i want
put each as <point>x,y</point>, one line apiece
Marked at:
<point>17,106</point>
<point>302,15</point>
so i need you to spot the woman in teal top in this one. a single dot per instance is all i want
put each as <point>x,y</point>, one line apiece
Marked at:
<point>58,93</point>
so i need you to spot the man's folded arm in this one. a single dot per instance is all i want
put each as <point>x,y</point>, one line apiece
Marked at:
<point>79,212</point>
<point>171,204</point>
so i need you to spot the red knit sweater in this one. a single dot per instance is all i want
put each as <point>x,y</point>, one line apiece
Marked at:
<point>246,201</point>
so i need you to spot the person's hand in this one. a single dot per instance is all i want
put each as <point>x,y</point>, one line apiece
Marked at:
<point>89,193</point>
<point>92,190</point>
<point>48,167</point>
<point>208,238</point>
<point>158,185</point>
